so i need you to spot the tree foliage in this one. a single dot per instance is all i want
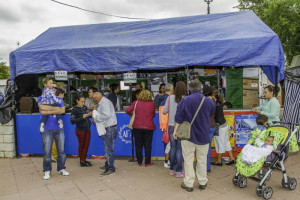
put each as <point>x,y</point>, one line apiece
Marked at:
<point>283,17</point>
<point>4,71</point>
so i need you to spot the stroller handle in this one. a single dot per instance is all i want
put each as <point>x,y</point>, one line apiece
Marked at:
<point>289,123</point>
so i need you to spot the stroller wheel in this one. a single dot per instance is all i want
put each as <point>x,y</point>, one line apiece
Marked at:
<point>235,180</point>
<point>267,192</point>
<point>285,185</point>
<point>242,182</point>
<point>259,190</point>
<point>292,183</point>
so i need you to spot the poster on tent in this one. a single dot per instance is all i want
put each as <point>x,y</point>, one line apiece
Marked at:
<point>244,124</point>
<point>229,117</point>
<point>230,121</point>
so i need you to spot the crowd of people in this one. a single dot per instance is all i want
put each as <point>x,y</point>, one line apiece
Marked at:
<point>177,104</point>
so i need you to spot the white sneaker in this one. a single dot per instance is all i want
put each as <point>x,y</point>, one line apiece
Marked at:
<point>166,165</point>
<point>42,127</point>
<point>61,124</point>
<point>46,175</point>
<point>64,172</point>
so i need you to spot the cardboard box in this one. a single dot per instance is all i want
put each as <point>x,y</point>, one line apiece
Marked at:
<point>87,76</point>
<point>210,70</point>
<point>250,98</point>
<point>250,83</point>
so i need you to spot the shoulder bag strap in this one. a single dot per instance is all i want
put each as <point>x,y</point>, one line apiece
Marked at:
<point>198,110</point>
<point>168,113</point>
<point>135,107</point>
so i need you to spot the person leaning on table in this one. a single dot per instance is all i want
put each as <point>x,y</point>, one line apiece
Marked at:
<point>271,108</point>
<point>143,126</point>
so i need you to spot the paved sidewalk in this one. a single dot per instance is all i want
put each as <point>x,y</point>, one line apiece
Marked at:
<point>22,179</point>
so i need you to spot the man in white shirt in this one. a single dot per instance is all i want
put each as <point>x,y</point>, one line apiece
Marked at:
<point>107,116</point>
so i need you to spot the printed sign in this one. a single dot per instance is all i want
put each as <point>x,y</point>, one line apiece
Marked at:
<point>125,134</point>
<point>130,78</point>
<point>244,124</point>
<point>61,75</point>
<point>230,121</point>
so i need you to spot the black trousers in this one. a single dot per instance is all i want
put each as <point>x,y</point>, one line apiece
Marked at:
<point>143,138</point>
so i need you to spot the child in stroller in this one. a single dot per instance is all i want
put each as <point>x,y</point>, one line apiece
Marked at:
<point>251,154</point>
<point>284,142</point>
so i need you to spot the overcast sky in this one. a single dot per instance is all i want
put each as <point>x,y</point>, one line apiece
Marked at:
<point>23,20</point>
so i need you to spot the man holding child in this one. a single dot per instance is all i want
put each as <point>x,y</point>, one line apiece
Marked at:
<point>52,130</point>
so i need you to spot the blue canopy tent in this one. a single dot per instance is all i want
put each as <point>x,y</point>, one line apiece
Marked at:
<point>228,39</point>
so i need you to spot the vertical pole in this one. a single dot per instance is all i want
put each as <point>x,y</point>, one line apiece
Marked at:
<point>208,8</point>
<point>187,71</point>
<point>218,78</point>
<point>276,76</point>
<point>220,91</point>
<point>132,149</point>
<point>129,100</point>
<point>68,91</point>
<point>132,141</point>
<point>14,113</point>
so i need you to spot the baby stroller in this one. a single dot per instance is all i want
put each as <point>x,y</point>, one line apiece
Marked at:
<point>284,142</point>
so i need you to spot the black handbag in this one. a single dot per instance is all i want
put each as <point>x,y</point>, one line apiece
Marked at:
<point>216,133</point>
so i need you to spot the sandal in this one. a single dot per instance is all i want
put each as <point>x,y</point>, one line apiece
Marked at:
<point>216,163</point>
<point>230,162</point>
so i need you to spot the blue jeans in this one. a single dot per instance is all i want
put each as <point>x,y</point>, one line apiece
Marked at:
<point>59,137</point>
<point>109,147</point>
<point>211,135</point>
<point>175,152</point>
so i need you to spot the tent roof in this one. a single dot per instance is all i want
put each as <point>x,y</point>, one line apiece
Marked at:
<point>227,39</point>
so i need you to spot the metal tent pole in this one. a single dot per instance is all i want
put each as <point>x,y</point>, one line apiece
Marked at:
<point>276,76</point>
<point>132,141</point>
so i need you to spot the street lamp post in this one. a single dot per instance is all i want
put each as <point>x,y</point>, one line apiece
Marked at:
<point>208,8</point>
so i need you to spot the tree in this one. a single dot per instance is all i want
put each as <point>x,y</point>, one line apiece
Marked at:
<point>4,71</point>
<point>283,17</point>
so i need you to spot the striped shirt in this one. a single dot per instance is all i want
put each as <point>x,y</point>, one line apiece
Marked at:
<point>49,97</point>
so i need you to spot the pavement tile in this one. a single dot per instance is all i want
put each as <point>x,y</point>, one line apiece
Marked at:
<point>106,194</point>
<point>35,193</point>
<point>23,179</point>
<point>85,180</point>
<point>126,189</point>
<point>181,196</point>
<point>56,187</point>
<point>10,189</point>
<point>206,194</point>
<point>27,185</point>
<point>7,179</point>
<point>223,185</point>
<point>88,189</point>
<point>137,195</point>
<point>5,169</point>
<point>71,193</point>
<point>14,196</point>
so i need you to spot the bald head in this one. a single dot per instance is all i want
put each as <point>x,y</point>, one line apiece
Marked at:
<point>97,97</point>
